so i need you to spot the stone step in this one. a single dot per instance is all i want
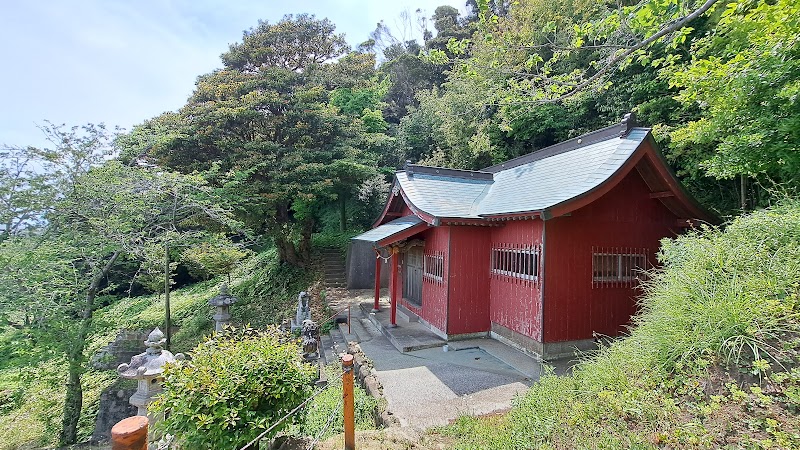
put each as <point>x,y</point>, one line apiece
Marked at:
<point>328,353</point>
<point>332,255</point>
<point>338,343</point>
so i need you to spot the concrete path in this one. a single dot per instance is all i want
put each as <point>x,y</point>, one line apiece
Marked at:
<point>430,386</point>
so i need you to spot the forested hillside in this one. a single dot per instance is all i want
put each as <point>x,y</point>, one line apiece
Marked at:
<point>297,135</point>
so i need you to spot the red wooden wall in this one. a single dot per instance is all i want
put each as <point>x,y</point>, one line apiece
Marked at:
<point>625,217</point>
<point>468,310</point>
<point>434,295</point>
<point>516,304</point>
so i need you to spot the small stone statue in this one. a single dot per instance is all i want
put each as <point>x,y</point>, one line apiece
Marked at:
<point>310,336</point>
<point>303,311</point>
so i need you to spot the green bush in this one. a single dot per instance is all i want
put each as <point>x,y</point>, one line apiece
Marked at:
<point>339,240</point>
<point>236,385</point>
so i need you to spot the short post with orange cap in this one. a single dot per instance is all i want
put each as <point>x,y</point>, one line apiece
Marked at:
<point>130,434</point>
<point>347,401</point>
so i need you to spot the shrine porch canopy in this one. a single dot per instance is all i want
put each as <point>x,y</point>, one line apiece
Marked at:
<point>394,231</point>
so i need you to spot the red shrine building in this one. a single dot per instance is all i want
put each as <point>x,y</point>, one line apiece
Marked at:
<point>544,251</point>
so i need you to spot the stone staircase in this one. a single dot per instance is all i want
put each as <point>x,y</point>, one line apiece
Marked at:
<point>360,330</point>
<point>333,268</point>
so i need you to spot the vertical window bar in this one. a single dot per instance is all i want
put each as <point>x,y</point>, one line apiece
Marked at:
<point>604,270</point>
<point>510,256</point>
<point>626,275</point>
<point>526,252</point>
<point>491,263</point>
<point>513,255</point>
<point>626,265</point>
<point>506,261</point>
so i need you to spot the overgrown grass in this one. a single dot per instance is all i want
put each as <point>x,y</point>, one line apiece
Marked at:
<point>32,369</point>
<point>323,417</point>
<point>711,361</point>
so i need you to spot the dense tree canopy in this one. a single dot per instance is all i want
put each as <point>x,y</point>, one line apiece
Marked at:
<point>294,43</point>
<point>280,133</point>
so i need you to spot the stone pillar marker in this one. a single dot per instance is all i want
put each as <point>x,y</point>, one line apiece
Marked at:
<point>147,368</point>
<point>222,303</point>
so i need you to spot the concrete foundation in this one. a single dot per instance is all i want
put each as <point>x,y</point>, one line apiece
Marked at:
<point>544,351</point>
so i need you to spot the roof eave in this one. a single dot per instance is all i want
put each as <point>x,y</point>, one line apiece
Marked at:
<point>518,215</point>
<point>404,234</point>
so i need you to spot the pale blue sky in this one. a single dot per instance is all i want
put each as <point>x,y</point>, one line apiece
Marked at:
<point>124,61</point>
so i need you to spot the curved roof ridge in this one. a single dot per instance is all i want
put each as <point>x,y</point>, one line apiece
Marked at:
<point>621,129</point>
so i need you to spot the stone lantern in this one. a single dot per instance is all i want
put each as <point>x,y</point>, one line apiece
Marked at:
<point>147,368</point>
<point>222,303</point>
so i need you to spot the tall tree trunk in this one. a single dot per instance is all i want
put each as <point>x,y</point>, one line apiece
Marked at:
<point>743,192</point>
<point>342,213</point>
<point>167,312</point>
<point>286,251</point>
<point>73,402</point>
<point>305,241</point>
<point>280,230</point>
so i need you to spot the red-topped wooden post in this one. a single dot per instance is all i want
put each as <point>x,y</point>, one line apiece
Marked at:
<point>393,286</point>
<point>377,306</point>
<point>348,403</point>
<point>130,434</point>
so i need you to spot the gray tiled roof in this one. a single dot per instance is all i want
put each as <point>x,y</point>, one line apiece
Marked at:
<point>532,186</point>
<point>444,196</point>
<point>388,229</point>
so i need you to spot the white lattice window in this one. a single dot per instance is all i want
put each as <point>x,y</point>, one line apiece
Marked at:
<point>516,261</point>
<point>434,266</point>
<point>618,266</point>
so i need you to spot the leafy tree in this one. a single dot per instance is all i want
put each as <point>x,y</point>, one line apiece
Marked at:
<point>32,178</point>
<point>25,194</point>
<point>449,24</point>
<point>293,43</point>
<point>409,74</point>
<point>264,131</point>
<point>101,216</point>
<point>213,257</point>
<point>744,78</point>
<point>575,46</point>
